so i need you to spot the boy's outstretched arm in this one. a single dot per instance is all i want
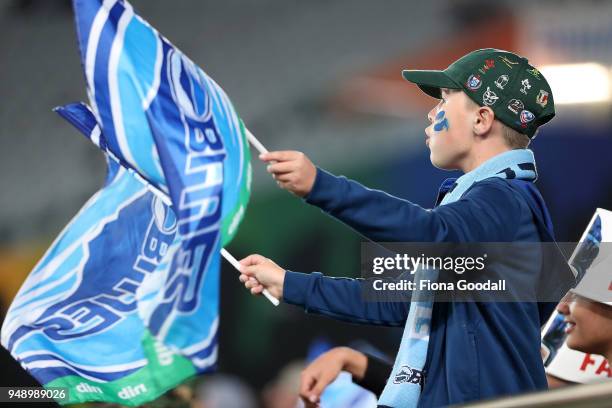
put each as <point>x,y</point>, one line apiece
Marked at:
<point>339,298</point>
<point>480,216</point>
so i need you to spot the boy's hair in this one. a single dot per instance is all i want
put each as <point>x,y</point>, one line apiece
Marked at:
<point>513,138</point>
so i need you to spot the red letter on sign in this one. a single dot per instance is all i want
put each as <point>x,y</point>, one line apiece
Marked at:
<point>604,367</point>
<point>587,362</point>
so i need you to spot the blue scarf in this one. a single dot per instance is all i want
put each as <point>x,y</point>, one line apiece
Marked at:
<point>404,385</point>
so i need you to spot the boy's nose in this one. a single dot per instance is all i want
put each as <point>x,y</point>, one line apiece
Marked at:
<point>431,115</point>
<point>563,306</point>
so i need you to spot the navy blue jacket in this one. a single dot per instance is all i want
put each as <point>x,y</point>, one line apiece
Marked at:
<point>476,350</point>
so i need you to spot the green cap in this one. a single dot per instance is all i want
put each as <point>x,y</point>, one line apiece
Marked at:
<point>517,92</point>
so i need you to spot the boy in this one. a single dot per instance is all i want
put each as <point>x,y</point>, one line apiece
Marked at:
<point>491,105</point>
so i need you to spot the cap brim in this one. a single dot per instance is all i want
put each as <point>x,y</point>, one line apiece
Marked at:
<point>430,82</point>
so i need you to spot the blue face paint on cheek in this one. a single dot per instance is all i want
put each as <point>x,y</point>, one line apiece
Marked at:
<point>440,122</point>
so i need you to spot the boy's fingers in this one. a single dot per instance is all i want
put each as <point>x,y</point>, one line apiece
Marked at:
<point>250,271</point>
<point>283,184</point>
<point>281,167</point>
<point>253,259</point>
<point>283,178</point>
<point>281,155</point>
<point>306,384</point>
<point>318,388</point>
<point>249,260</point>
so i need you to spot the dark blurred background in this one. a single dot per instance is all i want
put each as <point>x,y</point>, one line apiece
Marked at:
<point>319,76</point>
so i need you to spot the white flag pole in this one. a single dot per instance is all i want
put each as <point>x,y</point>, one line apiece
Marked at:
<point>261,149</point>
<point>236,265</point>
<point>164,197</point>
<point>256,143</point>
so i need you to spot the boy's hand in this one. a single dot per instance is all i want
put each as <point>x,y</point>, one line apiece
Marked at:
<point>292,170</point>
<point>259,273</point>
<point>325,369</point>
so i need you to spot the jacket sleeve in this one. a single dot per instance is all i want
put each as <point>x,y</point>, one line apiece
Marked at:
<point>341,299</point>
<point>481,215</point>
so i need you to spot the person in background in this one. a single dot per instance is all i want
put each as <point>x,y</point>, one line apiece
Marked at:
<point>588,324</point>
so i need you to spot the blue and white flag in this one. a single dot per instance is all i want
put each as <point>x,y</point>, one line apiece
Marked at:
<point>124,305</point>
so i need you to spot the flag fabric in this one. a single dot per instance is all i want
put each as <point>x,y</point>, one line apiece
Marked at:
<point>124,304</point>
<point>163,116</point>
<point>74,323</point>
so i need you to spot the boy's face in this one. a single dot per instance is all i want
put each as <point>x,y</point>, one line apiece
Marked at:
<point>449,136</point>
<point>589,324</point>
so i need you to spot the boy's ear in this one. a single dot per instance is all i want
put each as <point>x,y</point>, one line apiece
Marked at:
<point>483,120</point>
